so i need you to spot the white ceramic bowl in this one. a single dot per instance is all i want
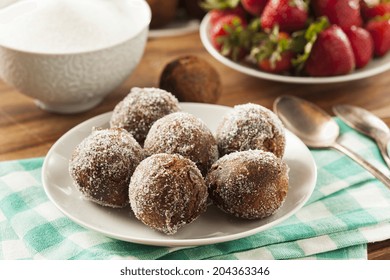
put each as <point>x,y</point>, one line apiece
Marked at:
<point>75,81</point>
<point>375,67</point>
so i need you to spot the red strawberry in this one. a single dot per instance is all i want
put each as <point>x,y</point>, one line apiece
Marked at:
<point>374,8</point>
<point>344,13</point>
<point>254,7</point>
<point>225,35</point>
<point>362,45</point>
<point>331,54</point>
<point>380,33</point>
<point>273,54</point>
<point>289,15</point>
<point>281,65</point>
<point>216,14</point>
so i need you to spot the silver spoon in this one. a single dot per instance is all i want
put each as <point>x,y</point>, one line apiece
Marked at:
<point>317,129</point>
<point>368,124</point>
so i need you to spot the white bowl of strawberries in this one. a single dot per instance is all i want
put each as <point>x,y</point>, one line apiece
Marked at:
<point>297,41</point>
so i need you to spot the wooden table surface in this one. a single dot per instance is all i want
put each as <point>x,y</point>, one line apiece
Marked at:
<point>26,131</point>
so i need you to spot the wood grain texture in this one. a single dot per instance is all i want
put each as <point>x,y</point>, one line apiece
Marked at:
<point>26,131</point>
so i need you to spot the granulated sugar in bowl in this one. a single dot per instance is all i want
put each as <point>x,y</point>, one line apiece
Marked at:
<point>69,54</point>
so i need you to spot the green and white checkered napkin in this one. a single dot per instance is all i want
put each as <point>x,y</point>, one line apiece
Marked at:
<point>348,209</point>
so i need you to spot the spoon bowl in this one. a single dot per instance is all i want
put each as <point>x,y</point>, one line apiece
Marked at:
<point>313,125</point>
<point>317,129</point>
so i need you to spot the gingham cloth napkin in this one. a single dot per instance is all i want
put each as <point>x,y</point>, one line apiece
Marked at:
<point>348,209</point>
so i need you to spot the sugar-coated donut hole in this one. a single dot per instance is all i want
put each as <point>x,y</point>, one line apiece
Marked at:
<point>184,134</point>
<point>141,108</point>
<point>167,191</point>
<point>250,127</point>
<point>250,184</point>
<point>102,164</point>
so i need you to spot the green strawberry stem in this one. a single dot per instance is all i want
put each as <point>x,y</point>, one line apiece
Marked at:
<point>253,35</point>
<point>240,38</point>
<point>270,46</point>
<point>235,40</point>
<point>303,41</point>
<point>219,4</point>
<point>381,18</point>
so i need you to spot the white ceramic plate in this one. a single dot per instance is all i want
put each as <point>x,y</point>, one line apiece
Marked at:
<point>212,227</point>
<point>376,66</point>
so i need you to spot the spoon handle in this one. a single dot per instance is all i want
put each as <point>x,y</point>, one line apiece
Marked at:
<point>383,144</point>
<point>368,166</point>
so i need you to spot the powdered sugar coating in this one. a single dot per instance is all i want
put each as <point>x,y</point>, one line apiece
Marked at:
<point>167,191</point>
<point>102,164</point>
<point>184,134</point>
<point>251,126</point>
<point>141,108</point>
<point>250,184</point>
